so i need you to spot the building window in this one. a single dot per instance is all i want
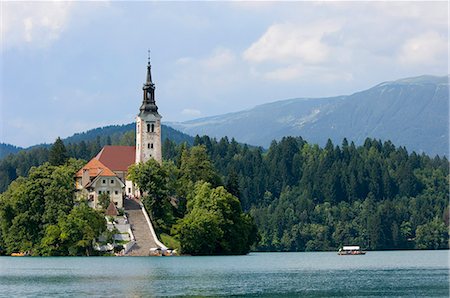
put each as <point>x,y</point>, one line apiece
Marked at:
<point>107,192</point>
<point>104,181</point>
<point>148,146</point>
<point>112,181</point>
<point>153,127</point>
<point>116,192</point>
<point>151,145</point>
<point>148,127</point>
<point>129,189</point>
<point>138,128</point>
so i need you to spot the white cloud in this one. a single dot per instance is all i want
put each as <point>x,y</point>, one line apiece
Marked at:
<point>191,112</point>
<point>284,73</point>
<point>37,23</point>
<point>288,41</point>
<point>424,49</point>
<point>220,58</point>
<point>183,60</point>
<point>202,81</point>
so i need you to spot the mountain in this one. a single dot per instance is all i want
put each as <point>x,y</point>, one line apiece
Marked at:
<point>114,132</point>
<point>411,112</point>
<point>6,149</point>
<point>117,131</point>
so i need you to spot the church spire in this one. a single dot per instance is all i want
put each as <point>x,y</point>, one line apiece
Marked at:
<point>149,72</point>
<point>148,102</point>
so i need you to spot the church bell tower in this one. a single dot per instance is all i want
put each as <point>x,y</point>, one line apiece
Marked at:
<point>148,124</point>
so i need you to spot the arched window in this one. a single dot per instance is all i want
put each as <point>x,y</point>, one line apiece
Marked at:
<point>148,127</point>
<point>153,127</point>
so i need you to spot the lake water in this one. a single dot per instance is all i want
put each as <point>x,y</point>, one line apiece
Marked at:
<point>322,274</point>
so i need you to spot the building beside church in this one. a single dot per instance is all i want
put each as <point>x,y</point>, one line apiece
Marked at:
<point>107,172</point>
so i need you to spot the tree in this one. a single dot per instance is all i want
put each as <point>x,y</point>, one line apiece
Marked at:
<point>152,179</point>
<point>32,203</point>
<point>104,200</point>
<point>199,232</point>
<point>215,223</point>
<point>233,184</point>
<point>58,153</point>
<point>196,166</point>
<point>74,233</point>
<point>432,235</point>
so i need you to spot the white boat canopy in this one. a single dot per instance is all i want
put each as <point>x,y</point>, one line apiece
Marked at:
<point>351,248</point>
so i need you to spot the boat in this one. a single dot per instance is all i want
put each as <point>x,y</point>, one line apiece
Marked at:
<point>19,254</point>
<point>351,251</point>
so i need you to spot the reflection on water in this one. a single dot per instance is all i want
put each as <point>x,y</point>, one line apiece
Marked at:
<point>394,273</point>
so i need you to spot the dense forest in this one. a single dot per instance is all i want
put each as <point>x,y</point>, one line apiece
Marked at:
<point>304,197</point>
<point>188,206</point>
<point>301,196</point>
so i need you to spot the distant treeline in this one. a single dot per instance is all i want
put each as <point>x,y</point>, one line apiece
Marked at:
<point>6,149</point>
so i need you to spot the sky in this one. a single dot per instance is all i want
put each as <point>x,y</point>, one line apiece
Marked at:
<point>67,67</point>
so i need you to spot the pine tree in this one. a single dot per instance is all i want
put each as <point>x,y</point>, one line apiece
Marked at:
<point>58,153</point>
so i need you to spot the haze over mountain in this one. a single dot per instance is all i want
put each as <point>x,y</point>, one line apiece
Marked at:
<point>411,112</point>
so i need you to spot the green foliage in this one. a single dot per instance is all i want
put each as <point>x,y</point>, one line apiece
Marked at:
<point>196,166</point>
<point>58,153</point>
<point>104,200</point>
<point>214,223</point>
<point>170,242</point>
<point>306,197</point>
<point>37,213</point>
<point>74,234</point>
<point>152,179</point>
<point>301,196</point>
<point>432,235</point>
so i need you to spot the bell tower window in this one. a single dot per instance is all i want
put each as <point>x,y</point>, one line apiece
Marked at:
<point>148,127</point>
<point>153,127</point>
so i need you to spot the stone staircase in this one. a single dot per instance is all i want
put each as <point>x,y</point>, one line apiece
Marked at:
<point>141,231</point>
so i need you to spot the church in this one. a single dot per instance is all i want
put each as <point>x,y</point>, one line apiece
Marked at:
<point>107,172</point>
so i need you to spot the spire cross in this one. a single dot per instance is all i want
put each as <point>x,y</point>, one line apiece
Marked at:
<point>149,57</point>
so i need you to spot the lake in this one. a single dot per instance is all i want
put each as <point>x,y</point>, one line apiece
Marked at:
<point>311,274</point>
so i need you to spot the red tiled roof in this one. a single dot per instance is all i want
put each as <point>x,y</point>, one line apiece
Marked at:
<point>117,158</point>
<point>95,168</point>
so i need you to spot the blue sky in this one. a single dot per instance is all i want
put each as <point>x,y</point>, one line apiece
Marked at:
<point>67,67</point>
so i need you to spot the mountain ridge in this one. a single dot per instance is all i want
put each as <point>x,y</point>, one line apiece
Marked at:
<point>411,112</point>
<point>113,131</point>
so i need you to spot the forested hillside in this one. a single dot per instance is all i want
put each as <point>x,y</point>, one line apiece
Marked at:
<point>6,149</point>
<point>304,197</point>
<point>81,146</point>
